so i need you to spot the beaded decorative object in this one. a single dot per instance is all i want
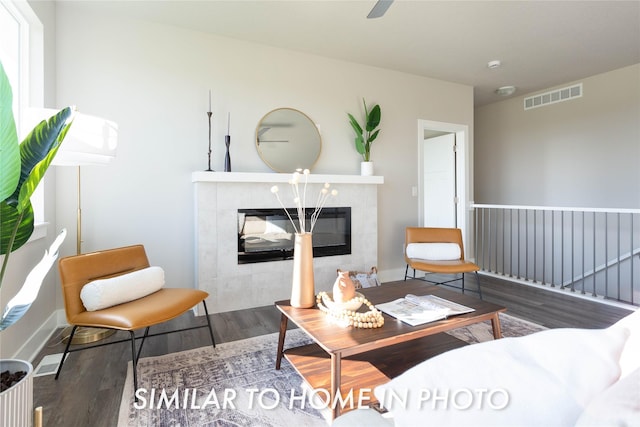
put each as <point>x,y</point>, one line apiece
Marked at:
<point>369,319</point>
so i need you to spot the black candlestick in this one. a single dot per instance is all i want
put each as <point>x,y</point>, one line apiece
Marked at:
<point>209,113</point>
<point>227,142</point>
<point>227,158</point>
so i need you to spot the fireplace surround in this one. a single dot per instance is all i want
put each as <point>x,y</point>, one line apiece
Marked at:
<point>233,286</point>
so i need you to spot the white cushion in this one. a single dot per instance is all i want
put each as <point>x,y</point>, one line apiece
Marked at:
<point>104,293</point>
<point>619,405</point>
<point>630,357</point>
<point>434,251</point>
<point>544,379</point>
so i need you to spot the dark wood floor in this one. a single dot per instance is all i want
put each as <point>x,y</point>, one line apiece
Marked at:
<point>546,307</point>
<point>89,389</point>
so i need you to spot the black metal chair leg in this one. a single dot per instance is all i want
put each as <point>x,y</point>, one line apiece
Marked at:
<point>446,283</point>
<point>144,336</point>
<point>206,312</point>
<point>66,351</point>
<point>134,363</point>
<point>478,280</point>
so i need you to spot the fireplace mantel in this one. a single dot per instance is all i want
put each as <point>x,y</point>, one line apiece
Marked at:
<point>232,286</point>
<point>204,176</point>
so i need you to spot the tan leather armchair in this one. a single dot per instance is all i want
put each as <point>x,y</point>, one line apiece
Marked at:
<point>450,266</point>
<point>153,309</point>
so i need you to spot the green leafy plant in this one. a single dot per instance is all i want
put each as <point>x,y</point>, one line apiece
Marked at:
<point>365,135</point>
<point>22,166</point>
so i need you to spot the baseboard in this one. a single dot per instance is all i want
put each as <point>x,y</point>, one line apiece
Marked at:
<point>36,342</point>
<point>392,275</point>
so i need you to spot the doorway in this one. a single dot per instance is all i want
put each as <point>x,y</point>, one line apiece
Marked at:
<point>439,181</point>
<point>444,181</point>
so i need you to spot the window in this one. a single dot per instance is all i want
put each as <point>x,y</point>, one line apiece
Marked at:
<point>10,55</point>
<point>22,53</point>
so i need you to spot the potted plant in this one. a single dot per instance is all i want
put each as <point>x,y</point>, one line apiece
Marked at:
<point>22,166</point>
<point>365,135</point>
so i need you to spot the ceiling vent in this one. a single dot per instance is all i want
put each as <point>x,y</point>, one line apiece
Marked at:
<point>553,96</point>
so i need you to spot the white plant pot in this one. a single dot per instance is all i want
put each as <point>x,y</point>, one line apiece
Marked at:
<point>16,403</point>
<point>366,168</point>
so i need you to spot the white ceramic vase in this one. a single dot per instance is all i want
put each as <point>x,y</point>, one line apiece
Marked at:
<point>366,168</point>
<point>302,286</point>
<point>16,403</point>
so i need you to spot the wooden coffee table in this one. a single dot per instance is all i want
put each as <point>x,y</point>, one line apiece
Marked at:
<point>354,360</point>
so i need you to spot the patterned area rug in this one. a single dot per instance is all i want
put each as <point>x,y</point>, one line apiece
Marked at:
<point>236,383</point>
<point>511,327</point>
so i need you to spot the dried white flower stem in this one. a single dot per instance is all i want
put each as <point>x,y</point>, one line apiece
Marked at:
<point>300,201</point>
<point>274,190</point>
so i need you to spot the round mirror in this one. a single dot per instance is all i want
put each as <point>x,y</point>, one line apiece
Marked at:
<point>287,140</point>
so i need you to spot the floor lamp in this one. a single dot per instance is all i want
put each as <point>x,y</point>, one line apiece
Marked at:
<point>90,141</point>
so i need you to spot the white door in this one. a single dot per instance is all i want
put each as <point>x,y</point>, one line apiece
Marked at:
<point>439,160</point>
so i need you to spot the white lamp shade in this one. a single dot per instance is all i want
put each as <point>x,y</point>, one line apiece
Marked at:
<point>90,141</point>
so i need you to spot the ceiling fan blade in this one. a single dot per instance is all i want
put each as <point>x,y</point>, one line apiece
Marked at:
<point>379,9</point>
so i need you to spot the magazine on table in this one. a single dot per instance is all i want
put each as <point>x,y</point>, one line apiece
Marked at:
<point>417,310</point>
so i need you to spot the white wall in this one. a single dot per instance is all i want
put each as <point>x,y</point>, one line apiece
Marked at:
<point>154,81</point>
<point>584,152</point>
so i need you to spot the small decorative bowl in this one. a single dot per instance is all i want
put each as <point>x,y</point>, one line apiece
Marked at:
<point>352,304</point>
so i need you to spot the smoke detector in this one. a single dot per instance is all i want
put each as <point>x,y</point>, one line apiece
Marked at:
<point>493,64</point>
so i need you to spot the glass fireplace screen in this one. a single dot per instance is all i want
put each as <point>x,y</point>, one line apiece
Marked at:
<point>268,235</point>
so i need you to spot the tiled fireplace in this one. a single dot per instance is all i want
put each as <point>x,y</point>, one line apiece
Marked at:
<point>219,196</point>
